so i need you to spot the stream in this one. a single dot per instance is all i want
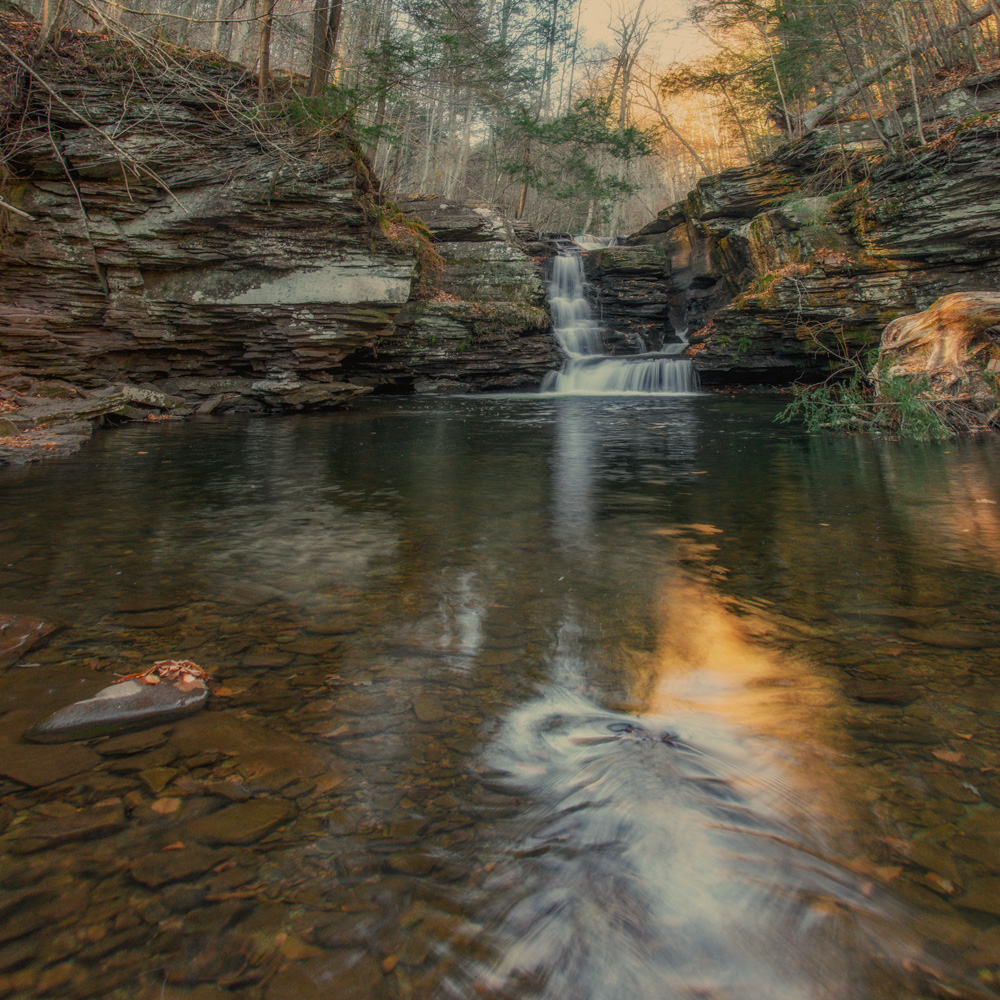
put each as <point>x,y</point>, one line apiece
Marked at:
<point>573,697</point>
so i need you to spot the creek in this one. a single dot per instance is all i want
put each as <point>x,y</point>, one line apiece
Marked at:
<point>543,696</point>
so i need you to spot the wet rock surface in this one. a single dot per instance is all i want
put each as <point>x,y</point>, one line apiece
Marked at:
<point>632,299</point>
<point>767,268</point>
<point>18,634</point>
<point>116,708</point>
<point>486,328</point>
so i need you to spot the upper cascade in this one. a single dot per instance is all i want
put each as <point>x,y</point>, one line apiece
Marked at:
<point>588,368</point>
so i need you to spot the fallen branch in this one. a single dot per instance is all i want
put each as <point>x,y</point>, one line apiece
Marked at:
<point>17,211</point>
<point>814,117</point>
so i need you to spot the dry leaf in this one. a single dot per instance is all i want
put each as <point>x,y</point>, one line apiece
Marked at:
<point>164,807</point>
<point>946,885</point>
<point>949,756</point>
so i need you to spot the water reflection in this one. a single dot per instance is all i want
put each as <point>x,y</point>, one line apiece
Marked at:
<point>571,698</point>
<point>686,849</point>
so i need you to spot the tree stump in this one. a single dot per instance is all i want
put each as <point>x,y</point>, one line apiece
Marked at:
<point>954,345</point>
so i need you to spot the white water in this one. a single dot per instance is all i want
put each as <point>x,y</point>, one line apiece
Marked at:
<point>587,368</point>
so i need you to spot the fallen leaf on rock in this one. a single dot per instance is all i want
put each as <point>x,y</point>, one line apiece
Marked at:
<point>949,756</point>
<point>220,691</point>
<point>185,675</point>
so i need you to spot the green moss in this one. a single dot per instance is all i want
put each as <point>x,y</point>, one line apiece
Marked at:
<point>508,318</point>
<point>410,235</point>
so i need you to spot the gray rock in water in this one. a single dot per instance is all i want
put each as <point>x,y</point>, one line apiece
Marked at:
<point>118,707</point>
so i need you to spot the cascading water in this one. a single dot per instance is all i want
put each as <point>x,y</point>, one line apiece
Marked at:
<point>587,368</point>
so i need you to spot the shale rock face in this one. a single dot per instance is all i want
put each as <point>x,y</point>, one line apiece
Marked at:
<point>486,329</point>
<point>246,268</point>
<point>632,297</point>
<point>772,271</point>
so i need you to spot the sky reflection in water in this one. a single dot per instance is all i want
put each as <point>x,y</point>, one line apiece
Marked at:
<point>613,697</point>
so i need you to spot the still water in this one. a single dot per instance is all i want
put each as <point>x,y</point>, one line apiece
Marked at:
<point>569,698</point>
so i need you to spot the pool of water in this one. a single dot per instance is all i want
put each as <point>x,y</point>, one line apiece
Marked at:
<point>570,698</point>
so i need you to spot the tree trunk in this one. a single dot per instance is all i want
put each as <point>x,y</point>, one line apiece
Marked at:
<point>51,15</point>
<point>317,56</point>
<point>846,93</point>
<point>264,79</point>
<point>522,198</point>
<point>905,30</point>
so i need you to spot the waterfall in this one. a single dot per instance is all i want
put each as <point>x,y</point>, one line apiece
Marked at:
<point>587,368</point>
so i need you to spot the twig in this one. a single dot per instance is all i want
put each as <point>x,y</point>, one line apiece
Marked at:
<point>17,211</point>
<point>132,162</point>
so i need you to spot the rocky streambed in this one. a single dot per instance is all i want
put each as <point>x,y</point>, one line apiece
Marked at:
<point>417,673</point>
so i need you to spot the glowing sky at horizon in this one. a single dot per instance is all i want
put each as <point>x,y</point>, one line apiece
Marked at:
<point>674,38</point>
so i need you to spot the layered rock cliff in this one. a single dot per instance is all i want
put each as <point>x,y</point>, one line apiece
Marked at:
<point>172,241</point>
<point>485,328</point>
<point>780,267</point>
<point>168,235</point>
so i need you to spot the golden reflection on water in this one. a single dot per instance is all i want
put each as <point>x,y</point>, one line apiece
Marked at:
<point>733,662</point>
<point>711,657</point>
<point>966,519</point>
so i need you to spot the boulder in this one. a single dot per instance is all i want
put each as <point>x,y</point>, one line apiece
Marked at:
<point>447,220</point>
<point>128,705</point>
<point>18,633</point>
<point>741,192</point>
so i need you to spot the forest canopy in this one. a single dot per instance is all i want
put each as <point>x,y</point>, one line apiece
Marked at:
<point>506,101</point>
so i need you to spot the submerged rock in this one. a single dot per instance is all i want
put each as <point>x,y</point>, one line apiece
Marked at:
<point>129,705</point>
<point>40,766</point>
<point>81,824</point>
<point>163,867</point>
<point>18,633</point>
<point>243,822</point>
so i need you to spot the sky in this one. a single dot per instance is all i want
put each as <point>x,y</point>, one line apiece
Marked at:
<point>674,38</point>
